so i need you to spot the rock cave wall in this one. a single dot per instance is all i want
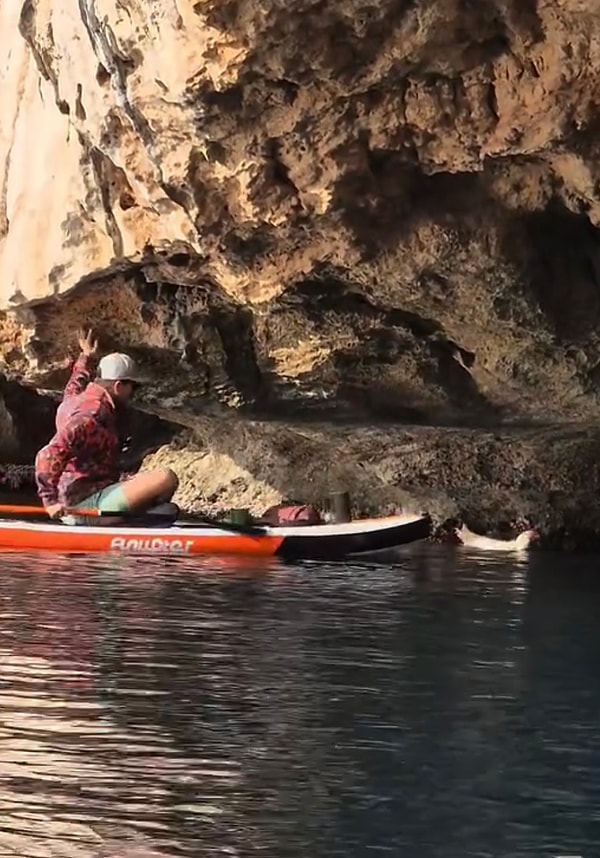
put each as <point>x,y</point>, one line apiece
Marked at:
<point>349,211</point>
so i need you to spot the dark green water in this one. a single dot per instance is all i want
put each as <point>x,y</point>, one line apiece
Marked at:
<point>444,706</point>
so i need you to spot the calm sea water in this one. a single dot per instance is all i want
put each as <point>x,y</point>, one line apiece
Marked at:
<point>443,705</point>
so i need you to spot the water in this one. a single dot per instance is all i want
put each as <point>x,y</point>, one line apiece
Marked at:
<point>444,706</point>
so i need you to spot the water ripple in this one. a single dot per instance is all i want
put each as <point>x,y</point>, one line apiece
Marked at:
<point>435,705</point>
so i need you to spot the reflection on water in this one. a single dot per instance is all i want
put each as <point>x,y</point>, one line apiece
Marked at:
<point>442,706</point>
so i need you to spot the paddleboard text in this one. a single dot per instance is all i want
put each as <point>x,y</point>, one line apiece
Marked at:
<point>158,545</point>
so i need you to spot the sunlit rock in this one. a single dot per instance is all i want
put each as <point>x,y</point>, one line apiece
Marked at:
<point>381,211</point>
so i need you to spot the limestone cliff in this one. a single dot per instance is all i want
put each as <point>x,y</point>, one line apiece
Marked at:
<point>370,210</point>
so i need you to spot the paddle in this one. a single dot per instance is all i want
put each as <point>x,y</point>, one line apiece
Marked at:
<point>246,529</point>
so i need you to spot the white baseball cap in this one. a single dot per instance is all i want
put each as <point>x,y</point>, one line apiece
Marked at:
<point>118,367</point>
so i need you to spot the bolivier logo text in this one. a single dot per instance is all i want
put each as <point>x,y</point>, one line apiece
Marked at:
<point>173,546</point>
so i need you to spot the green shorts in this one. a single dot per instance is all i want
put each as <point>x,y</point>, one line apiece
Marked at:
<point>110,499</point>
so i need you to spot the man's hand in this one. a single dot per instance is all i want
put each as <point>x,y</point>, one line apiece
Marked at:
<point>87,343</point>
<point>55,510</point>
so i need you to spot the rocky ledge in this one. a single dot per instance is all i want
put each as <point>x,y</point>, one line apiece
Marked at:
<point>353,245</point>
<point>490,479</point>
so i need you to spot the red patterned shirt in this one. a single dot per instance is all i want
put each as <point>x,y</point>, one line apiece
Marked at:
<point>82,457</point>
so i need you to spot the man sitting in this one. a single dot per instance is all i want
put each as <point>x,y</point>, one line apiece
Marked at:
<point>79,466</point>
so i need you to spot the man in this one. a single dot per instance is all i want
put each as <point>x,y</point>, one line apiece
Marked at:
<point>79,466</point>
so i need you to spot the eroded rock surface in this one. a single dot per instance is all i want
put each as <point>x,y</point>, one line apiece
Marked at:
<point>367,210</point>
<point>491,479</point>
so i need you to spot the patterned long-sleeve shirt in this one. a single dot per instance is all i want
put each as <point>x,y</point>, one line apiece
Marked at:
<point>81,375</point>
<point>82,456</point>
